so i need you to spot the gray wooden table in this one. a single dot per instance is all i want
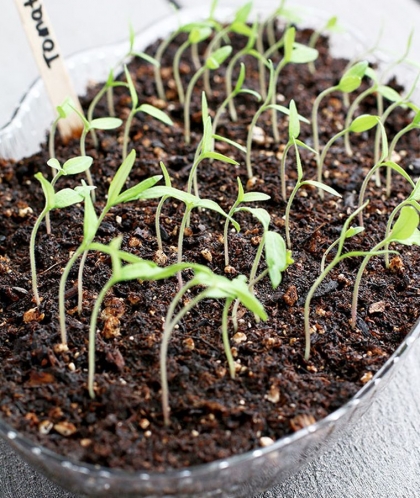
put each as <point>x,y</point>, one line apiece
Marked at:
<point>380,457</point>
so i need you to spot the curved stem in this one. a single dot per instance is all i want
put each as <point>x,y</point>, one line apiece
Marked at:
<point>157,221</point>
<point>80,283</point>
<point>350,114</point>
<point>127,133</point>
<point>92,335</point>
<point>390,152</point>
<point>225,338</point>
<point>32,254</point>
<point>287,214</point>
<point>91,108</point>
<point>187,104</point>
<point>357,284</point>
<point>177,76</point>
<point>211,47</point>
<point>315,107</point>
<point>279,67</point>
<point>157,69</point>
<point>228,82</point>
<point>62,292</point>
<point>326,148</point>
<point>110,101</point>
<point>184,221</point>
<point>167,332</point>
<point>255,264</point>
<point>283,170</point>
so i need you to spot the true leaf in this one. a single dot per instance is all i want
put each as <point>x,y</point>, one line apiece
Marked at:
<point>120,178</point>
<point>294,125</point>
<point>136,191</point>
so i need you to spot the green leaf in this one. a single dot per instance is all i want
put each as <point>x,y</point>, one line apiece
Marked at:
<point>241,28</point>
<point>399,170</point>
<point>147,270</point>
<point>90,220</point>
<point>255,197</point>
<point>213,206</point>
<point>198,35</point>
<point>66,197</point>
<point>363,123</point>
<point>389,93</point>
<point>147,58</point>
<point>301,54</point>
<point>54,163</point>
<point>322,186</point>
<point>352,231</point>
<point>252,92</point>
<point>230,142</point>
<point>286,111</point>
<point>207,142</point>
<point>352,78</point>
<point>134,193</point>
<point>294,125</point>
<point>404,227</point>
<point>304,146</point>
<point>415,194</point>
<point>289,40</point>
<point>416,119</point>
<point>413,240</point>
<point>120,178</point>
<point>261,214</point>
<point>165,174</point>
<point>65,109</point>
<point>371,73</point>
<point>239,287</point>
<point>241,79</point>
<point>155,113</point>
<point>275,256</point>
<point>218,157</point>
<point>105,123</point>
<point>48,190</point>
<point>218,57</point>
<point>242,14</point>
<point>131,88</point>
<point>204,107</point>
<point>77,165</point>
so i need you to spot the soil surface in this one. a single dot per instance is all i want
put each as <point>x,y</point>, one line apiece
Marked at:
<point>43,392</point>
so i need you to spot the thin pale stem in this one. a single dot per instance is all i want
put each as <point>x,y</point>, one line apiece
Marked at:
<point>350,114</point>
<point>187,104</point>
<point>287,214</point>
<point>80,283</point>
<point>225,338</point>
<point>32,255</point>
<point>228,82</point>
<point>167,333</point>
<point>177,76</point>
<point>315,108</point>
<point>92,335</point>
<point>391,151</point>
<point>283,170</point>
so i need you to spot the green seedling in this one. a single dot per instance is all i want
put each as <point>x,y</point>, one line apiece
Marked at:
<point>110,84</point>
<point>358,125</point>
<point>266,105</point>
<point>294,132</point>
<point>207,152</point>
<point>55,200</point>
<point>384,90</point>
<point>301,183</point>
<point>251,34</point>
<point>349,82</point>
<point>241,199</point>
<point>386,164</point>
<point>215,287</point>
<point>196,35</point>
<point>63,111</point>
<point>277,257</point>
<point>213,62</point>
<point>415,124</point>
<point>404,231</point>
<point>107,123</point>
<point>339,256</point>
<point>92,222</point>
<point>136,108</point>
<point>238,26</point>
<point>294,53</point>
<point>230,96</point>
<point>191,202</point>
<point>135,269</point>
<point>331,26</point>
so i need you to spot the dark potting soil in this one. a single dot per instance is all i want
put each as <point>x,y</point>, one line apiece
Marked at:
<point>43,392</point>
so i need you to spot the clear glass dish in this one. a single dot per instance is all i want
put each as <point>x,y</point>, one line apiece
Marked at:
<point>240,476</point>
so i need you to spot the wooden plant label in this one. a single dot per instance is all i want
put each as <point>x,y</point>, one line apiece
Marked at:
<point>50,61</point>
